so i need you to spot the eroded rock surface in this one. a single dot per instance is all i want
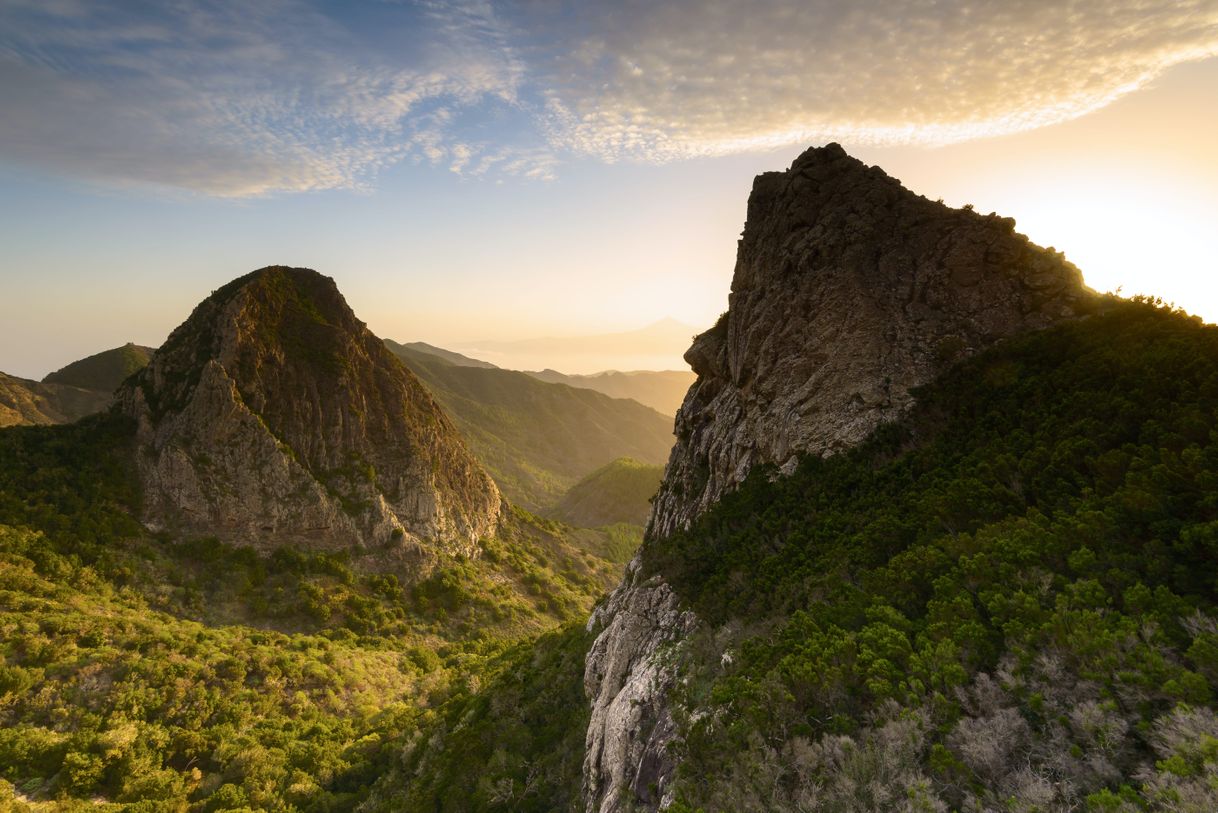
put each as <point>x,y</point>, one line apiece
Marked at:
<point>627,760</point>
<point>273,416</point>
<point>849,291</point>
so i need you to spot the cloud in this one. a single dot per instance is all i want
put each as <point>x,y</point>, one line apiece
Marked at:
<point>235,99</point>
<point>694,77</point>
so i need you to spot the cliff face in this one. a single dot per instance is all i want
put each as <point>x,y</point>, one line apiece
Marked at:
<point>849,291</point>
<point>273,416</point>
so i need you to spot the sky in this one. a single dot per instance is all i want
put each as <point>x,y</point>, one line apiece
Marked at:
<point>475,172</point>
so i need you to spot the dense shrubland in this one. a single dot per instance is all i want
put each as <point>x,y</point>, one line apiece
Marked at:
<point>147,673</point>
<point>1005,601</point>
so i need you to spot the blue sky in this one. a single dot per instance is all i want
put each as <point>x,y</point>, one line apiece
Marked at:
<point>480,170</point>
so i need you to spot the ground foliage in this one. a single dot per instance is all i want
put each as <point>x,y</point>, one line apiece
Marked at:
<point>139,672</point>
<point>1004,601</point>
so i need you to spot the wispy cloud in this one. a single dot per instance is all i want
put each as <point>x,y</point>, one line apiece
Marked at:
<point>236,98</point>
<point>694,77</point>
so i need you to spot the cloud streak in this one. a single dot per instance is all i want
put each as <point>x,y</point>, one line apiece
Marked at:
<point>237,99</point>
<point>711,77</point>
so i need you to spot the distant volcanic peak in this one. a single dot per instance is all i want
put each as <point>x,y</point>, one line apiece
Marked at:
<point>275,365</point>
<point>849,291</point>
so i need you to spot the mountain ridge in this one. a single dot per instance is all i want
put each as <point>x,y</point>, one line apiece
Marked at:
<point>539,439</point>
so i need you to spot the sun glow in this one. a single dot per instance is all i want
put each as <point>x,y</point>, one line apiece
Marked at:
<point>1135,236</point>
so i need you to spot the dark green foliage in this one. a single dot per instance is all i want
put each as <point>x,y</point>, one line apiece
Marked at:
<point>1056,497</point>
<point>193,675</point>
<point>77,482</point>
<point>515,744</point>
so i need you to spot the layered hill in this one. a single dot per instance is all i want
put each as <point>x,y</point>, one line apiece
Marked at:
<point>273,416</point>
<point>431,350</point>
<point>539,439</point>
<point>82,388</point>
<point>662,390</point>
<point>618,492</point>
<point>24,402</point>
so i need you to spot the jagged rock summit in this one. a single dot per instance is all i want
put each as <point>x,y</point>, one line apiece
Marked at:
<point>273,416</point>
<point>849,291</point>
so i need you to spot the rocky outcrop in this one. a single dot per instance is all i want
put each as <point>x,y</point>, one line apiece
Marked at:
<point>849,291</point>
<point>273,416</point>
<point>626,761</point>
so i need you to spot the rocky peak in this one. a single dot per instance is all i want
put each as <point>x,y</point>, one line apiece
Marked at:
<point>849,291</point>
<point>274,416</point>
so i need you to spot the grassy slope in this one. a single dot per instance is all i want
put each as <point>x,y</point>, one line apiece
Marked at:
<point>135,668</point>
<point>618,492</point>
<point>103,371</point>
<point>24,402</point>
<point>539,439</point>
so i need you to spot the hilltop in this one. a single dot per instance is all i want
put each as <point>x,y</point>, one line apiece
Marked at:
<point>103,371</point>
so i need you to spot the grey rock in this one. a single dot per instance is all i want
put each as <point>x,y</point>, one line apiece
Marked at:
<point>273,416</point>
<point>849,291</point>
<point>626,761</point>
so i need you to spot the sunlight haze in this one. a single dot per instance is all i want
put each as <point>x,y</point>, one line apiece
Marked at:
<point>530,188</point>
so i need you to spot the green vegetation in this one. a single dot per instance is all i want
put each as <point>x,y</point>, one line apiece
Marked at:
<point>516,744</point>
<point>1005,601</point>
<point>620,492</point>
<point>143,673</point>
<point>103,371</point>
<point>539,439</point>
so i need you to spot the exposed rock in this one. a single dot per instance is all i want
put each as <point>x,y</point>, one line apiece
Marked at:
<point>849,291</point>
<point>24,402</point>
<point>626,761</point>
<point>273,416</point>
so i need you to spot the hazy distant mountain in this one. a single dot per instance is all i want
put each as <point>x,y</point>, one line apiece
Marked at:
<point>105,370</point>
<point>662,390</point>
<point>447,355</point>
<point>618,492</point>
<point>657,346</point>
<point>537,438</point>
<point>24,402</point>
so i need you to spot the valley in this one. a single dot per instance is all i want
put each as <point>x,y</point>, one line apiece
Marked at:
<point>934,529</point>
